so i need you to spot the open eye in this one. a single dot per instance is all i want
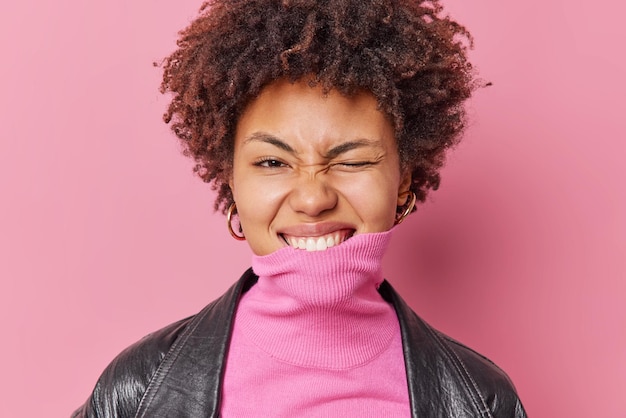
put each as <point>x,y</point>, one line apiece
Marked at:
<point>270,163</point>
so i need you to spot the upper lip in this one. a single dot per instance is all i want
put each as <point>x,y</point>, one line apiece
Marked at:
<point>314,229</point>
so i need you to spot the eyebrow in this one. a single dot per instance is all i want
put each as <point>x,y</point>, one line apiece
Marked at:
<point>270,139</point>
<point>332,153</point>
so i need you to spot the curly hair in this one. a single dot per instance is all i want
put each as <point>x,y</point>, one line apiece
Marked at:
<point>409,56</point>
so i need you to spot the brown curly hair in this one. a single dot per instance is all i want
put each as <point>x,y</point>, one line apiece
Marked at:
<point>409,56</point>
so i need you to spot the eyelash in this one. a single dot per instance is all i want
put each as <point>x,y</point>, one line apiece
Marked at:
<point>276,163</point>
<point>357,164</point>
<point>270,163</point>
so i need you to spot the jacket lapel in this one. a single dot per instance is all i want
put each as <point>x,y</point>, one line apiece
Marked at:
<point>188,382</point>
<point>437,380</point>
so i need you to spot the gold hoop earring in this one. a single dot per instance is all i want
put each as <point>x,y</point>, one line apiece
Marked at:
<point>232,209</point>
<point>408,209</point>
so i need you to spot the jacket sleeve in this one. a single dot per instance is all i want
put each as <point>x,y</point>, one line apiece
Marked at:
<point>121,386</point>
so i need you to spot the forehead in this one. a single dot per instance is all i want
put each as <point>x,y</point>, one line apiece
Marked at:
<point>306,116</point>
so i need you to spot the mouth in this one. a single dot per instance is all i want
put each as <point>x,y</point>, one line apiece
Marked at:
<point>318,243</point>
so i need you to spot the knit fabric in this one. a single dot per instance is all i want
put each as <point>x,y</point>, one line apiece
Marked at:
<point>314,338</point>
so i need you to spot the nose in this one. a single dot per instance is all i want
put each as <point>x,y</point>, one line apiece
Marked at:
<point>312,195</point>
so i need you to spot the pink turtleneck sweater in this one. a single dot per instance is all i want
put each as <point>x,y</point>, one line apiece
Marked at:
<point>314,338</point>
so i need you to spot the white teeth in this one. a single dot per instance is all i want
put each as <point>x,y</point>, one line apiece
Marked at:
<point>317,243</point>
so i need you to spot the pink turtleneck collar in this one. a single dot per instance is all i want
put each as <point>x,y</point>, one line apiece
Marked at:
<point>320,309</point>
<point>314,338</point>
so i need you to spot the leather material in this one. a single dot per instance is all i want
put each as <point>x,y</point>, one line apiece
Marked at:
<point>177,371</point>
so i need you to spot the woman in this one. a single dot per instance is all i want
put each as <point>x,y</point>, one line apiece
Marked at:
<point>320,124</point>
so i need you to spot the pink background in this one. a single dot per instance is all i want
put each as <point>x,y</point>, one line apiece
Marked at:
<point>106,235</point>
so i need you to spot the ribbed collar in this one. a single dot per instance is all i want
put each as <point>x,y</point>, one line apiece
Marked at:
<point>320,309</point>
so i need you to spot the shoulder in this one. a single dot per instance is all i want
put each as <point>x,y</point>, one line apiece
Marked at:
<point>136,370</point>
<point>494,387</point>
<point>433,360</point>
<point>122,384</point>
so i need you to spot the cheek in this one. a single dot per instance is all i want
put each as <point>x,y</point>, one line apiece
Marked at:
<point>374,200</point>
<point>257,200</point>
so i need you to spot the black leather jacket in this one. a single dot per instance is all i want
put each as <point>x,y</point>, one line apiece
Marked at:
<point>177,371</point>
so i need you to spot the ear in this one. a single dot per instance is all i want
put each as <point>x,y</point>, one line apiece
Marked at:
<point>403,189</point>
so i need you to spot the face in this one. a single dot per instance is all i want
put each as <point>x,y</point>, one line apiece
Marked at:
<point>312,170</point>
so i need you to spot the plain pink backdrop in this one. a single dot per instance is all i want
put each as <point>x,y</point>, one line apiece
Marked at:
<point>105,235</point>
